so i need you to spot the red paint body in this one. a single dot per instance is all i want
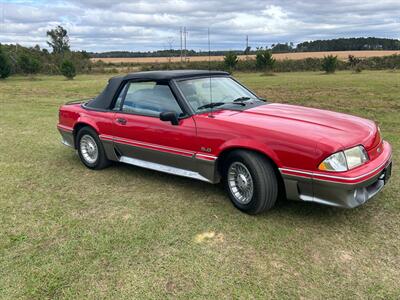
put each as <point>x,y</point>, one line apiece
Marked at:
<point>296,138</point>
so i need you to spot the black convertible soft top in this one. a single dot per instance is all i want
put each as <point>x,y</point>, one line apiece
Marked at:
<point>104,100</point>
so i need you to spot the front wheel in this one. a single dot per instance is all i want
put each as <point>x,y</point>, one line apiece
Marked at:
<point>250,181</point>
<point>90,149</point>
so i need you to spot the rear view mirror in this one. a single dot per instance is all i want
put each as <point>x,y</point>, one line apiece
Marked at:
<point>170,116</point>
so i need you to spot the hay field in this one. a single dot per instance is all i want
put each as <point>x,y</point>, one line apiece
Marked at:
<point>279,56</point>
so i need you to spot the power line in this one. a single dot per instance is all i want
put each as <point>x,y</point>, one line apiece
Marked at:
<point>183,37</point>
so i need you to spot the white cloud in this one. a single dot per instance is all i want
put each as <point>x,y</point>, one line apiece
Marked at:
<point>100,25</point>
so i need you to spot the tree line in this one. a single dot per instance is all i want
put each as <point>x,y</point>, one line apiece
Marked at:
<point>16,59</point>
<point>346,44</point>
<point>341,44</point>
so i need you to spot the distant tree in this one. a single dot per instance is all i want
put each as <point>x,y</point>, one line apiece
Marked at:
<point>264,60</point>
<point>5,66</point>
<point>355,63</point>
<point>68,69</point>
<point>59,40</point>
<point>329,64</point>
<point>282,48</point>
<point>28,64</point>
<point>345,44</point>
<point>230,61</point>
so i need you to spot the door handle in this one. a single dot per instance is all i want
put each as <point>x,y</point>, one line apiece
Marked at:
<point>121,121</point>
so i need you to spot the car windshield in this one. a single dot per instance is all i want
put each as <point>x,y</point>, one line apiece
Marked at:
<point>205,93</point>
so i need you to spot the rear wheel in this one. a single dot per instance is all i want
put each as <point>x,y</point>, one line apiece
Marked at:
<point>90,149</point>
<point>250,181</point>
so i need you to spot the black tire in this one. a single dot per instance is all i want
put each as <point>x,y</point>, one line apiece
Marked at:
<point>265,183</point>
<point>101,162</point>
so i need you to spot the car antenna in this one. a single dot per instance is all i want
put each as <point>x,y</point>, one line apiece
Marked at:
<point>210,115</point>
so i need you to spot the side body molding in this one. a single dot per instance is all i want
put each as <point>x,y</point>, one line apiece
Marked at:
<point>164,159</point>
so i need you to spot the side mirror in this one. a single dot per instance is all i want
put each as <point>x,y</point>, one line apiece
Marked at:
<point>170,116</point>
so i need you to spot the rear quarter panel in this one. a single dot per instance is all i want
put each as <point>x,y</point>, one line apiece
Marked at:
<point>72,115</point>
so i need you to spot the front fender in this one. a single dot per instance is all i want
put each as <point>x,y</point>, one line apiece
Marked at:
<point>250,145</point>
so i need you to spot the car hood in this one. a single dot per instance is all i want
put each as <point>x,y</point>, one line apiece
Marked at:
<point>322,126</point>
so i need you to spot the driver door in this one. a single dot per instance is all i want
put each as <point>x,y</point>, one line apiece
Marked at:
<point>140,136</point>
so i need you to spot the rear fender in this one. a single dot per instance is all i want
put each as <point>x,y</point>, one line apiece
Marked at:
<point>82,120</point>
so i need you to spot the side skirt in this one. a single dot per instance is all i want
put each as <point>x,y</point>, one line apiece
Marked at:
<point>182,163</point>
<point>162,168</point>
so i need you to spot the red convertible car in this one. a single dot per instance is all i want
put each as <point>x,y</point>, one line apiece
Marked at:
<point>206,125</point>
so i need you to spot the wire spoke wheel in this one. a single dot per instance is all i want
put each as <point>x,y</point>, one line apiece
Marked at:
<point>89,149</point>
<point>240,182</point>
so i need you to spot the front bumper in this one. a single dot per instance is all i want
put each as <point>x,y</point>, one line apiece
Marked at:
<point>347,191</point>
<point>350,195</point>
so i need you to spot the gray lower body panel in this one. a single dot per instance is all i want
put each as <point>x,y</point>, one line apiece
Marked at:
<point>162,168</point>
<point>181,165</point>
<point>333,193</point>
<point>67,138</point>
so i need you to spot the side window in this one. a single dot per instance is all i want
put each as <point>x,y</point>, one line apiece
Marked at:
<point>149,98</point>
<point>121,95</point>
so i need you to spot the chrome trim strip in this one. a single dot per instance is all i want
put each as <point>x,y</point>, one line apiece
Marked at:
<point>64,128</point>
<point>295,171</point>
<point>336,177</point>
<point>205,156</point>
<point>162,168</point>
<point>105,137</point>
<point>157,147</point>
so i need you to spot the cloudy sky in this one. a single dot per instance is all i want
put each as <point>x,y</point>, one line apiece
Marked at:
<point>102,25</point>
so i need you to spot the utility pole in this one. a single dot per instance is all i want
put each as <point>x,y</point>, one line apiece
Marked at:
<point>209,48</point>
<point>170,42</point>
<point>184,38</point>
<point>181,43</point>
<point>247,50</point>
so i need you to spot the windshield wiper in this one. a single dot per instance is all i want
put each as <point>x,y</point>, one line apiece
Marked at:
<point>215,104</point>
<point>211,105</point>
<point>241,99</point>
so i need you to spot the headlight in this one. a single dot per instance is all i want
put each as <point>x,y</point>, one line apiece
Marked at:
<point>335,162</point>
<point>345,160</point>
<point>355,156</point>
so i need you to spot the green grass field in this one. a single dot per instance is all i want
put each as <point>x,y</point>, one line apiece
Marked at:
<point>126,232</point>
